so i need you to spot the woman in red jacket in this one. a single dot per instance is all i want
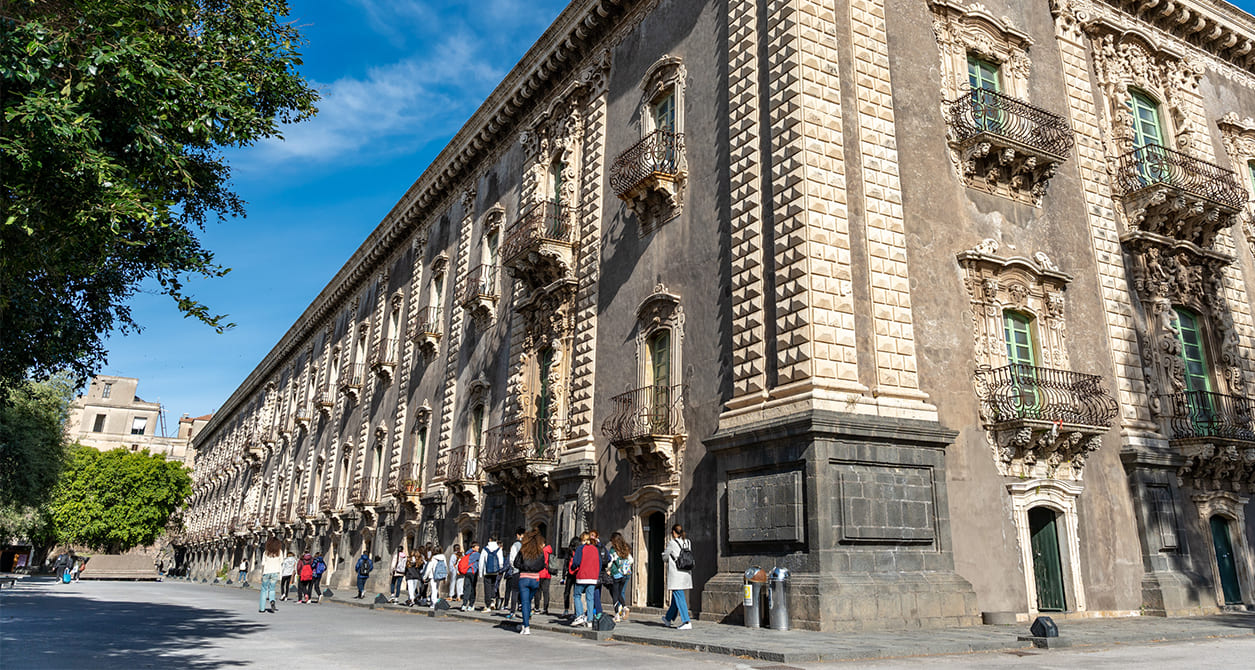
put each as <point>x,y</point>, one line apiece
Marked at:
<point>585,569</point>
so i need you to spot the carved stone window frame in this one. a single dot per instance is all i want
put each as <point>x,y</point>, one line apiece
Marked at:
<point>1238,136</point>
<point>1061,497</point>
<point>1233,508</point>
<point>667,74</point>
<point>660,310</point>
<point>971,29</point>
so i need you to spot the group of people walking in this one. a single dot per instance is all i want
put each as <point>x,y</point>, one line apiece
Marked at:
<point>306,571</point>
<point>516,580</point>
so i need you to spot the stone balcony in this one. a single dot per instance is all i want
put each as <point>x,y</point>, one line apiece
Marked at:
<point>463,476</point>
<point>480,295</point>
<point>407,483</point>
<point>385,360</point>
<point>324,401</point>
<point>1045,422</point>
<point>540,246</point>
<point>1006,146</point>
<point>367,491</point>
<point>351,384</point>
<point>428,331</point>
<point>520,454</point>
<point>1216,435</point>
<point>1173,196</point>
<point>646,426</point>
<point>649,176</point>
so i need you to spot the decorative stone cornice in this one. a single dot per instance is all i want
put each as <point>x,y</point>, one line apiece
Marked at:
<point>1216,27</point>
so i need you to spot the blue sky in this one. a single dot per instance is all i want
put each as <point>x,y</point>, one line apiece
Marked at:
<point>398,78</point>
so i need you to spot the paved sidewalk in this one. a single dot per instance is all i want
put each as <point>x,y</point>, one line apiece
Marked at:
<point>799,646</point>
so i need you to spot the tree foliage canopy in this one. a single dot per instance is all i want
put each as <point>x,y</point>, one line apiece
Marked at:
<point>116,500</point>
<point>32,441</point>
<point>114,118</point>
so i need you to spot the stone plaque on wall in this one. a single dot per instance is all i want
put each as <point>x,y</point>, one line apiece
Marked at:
<point>766,507</point>
<point>886,504</point>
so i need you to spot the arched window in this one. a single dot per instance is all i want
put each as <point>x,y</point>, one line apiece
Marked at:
<point>543,399</point>
<point>555,181</point>
<point>1148,137</point>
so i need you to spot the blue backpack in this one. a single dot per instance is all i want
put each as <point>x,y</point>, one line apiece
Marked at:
<point>441,570</point>
<point>493,565</point>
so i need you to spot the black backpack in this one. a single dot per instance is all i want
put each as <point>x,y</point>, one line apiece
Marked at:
<point>685,560</point>
<point>604,622</point>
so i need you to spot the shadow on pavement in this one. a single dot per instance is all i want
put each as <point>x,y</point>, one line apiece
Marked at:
<point>47,629</point>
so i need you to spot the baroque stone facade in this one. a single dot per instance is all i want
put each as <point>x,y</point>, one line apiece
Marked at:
<point>943,305</point>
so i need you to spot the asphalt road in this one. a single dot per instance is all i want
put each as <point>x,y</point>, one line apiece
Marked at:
<point>101,625</point>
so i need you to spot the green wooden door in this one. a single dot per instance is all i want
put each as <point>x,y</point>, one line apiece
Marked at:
<point>1225,561</point>
<point>1147,137</point>
<point>1047,566</point>
<point>1197,380</point>
<point>541,429</point>
<point>982,76</point>
<point>1021,355</point>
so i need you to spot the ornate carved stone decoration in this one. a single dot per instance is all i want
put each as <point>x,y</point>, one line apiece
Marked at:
<point>999,142</point>
<point>1042,421</point>
<point>1239,142</point>
<point>1219,466</point>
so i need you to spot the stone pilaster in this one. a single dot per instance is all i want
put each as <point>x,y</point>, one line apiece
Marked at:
<point>457,317</point>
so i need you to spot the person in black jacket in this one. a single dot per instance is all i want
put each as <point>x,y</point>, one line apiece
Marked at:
<point>529,563</point>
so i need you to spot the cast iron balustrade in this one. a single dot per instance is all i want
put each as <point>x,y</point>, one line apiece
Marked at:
<point>480,294</point>
<point>1178,196</point>
<point>519,440</point>
<point>1007,146</point>
<point>325,401</point>
<point>651,411</point>
<point>428,324</point>
<point>1203,414</point>
<point>539,246</point>
<point>408,481</point>
<point>351,384</point>
<point>366,492</point>
<point>463,465</point>
<point>341,497</point>
<point>657,156</point>
<point>389,352</point>
<point>1028,392</point>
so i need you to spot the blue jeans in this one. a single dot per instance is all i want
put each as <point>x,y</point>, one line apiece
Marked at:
<point>679,605</point>
<point>267,589</point>
<point>527,591</point>
<point>584,600</point>
<point>361,584</point>
<point>397,581</point>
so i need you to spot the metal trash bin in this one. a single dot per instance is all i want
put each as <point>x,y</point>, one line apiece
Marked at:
<point>755,580</point>
<point>778,599</point>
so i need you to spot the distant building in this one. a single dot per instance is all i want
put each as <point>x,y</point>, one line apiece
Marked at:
<point>111,416</point>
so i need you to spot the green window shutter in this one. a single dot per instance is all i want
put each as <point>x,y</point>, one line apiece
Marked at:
<point>1192,353</point>
<point>1250,172</point>
<point>983,75</point>
<point>1018,330</point>
<point>1147,127</point>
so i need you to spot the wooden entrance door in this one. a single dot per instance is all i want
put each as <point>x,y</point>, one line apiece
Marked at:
<point>1047,566</point>
<point>1225,561</point>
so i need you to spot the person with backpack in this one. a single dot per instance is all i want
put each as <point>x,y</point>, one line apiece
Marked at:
<point>286,573</point>
<point>679,557</point>
<point>620,570</point>
<point>493,564</point>
<point>468,567</point>
<point>546,576</point>
<point>413,575</point>
<point>305,577</point>
<point>363,567</point>
<point>513,595</point>
<point>528,563</point>
<point>437,571</point>
<point>320,567</point>
<point>458,576</point>
<point>398,575</point>
<point>603,575</point>
<point>271,564</point>
<point>585,570</point>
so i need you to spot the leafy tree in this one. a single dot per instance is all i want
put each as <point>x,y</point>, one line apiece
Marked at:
<point>114,119</point>
<point>32,442</point>
<point>116,500</point>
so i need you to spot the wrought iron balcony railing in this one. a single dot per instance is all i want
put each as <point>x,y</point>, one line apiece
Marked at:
<point>481,283</point>
<point>1029,392</point>
<point>341,496</point>
<point>463,464</point>
<point>521,439</point>
<point>651,411</point>
<point>389,351</point>
<point>984,112</point>
<point>356,375</point>
<point>408,480</point>
<point>542,222</point>
<point>428,322</point>
<point>659,154</point>
<point>1153,165</point>
<point>1214,415</point>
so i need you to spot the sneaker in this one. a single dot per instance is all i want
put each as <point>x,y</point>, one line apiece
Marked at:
<point>524,630</point>
<point>510,616</point>
<point>665,621</point>
<point>625,612</point>
<point>579,621</point>
<point>316,600</point>
<point>588,624</point>
<point>685,626</point>
<point>617,618</point>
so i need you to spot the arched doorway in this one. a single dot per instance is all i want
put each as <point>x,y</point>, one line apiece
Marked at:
<point>655,542</point>
<point>1226,564</point>
<point>1047,564</point>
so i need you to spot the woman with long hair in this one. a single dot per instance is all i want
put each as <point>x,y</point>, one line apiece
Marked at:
<point>568,582</point>
<point>679,579</point>
<point>585,570</point>
<point>529,563</point>
<point>413,575</point>
<point>271,566</point>
<point>620,570</point>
